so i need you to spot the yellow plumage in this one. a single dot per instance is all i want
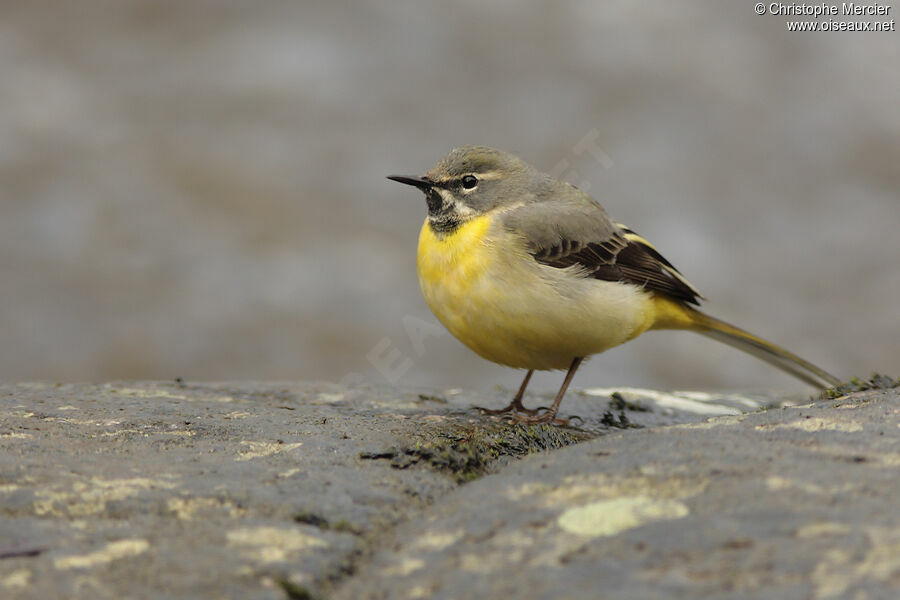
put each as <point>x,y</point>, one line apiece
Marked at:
<point>472,280</point>
<point>530,272</point>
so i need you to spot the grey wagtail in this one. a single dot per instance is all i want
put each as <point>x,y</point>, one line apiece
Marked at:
<point>530,272</point>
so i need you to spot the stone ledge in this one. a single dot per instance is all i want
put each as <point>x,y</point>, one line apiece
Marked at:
<point>162,490</point>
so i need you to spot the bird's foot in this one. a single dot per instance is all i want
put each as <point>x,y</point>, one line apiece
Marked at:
<point>538,416</point>
<point>512,407</point>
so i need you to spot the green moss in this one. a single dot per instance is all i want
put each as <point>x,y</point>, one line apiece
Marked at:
<point>295,591</point>
<point>468,454</point>
<point>618,402</point>
<point>876,382</point>
<point>432,398</point>
<point>309,518</point>
<point>313,519</point>
<point>620,421</point>
<point>345,526</point>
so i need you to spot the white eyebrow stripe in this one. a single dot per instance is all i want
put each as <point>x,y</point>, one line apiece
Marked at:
<point>486,176</point>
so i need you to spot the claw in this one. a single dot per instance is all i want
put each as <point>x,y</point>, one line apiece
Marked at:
<point>515,406</point>
<point>510,408</point>
<point>546,417</point>
<point>550,415</point>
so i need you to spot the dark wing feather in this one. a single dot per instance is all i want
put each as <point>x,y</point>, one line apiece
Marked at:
<point>565,235</point>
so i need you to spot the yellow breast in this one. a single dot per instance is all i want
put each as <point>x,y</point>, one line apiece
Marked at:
<point>487,291</point>
<point>451,266</point>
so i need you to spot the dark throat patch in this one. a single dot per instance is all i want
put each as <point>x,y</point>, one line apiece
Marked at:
<point>442,216</point>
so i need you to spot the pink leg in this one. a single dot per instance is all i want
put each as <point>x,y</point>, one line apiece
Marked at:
<point>516,404</point>
<point>550,415</point>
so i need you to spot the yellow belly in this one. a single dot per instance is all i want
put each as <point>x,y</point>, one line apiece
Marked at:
<point>490,294</point>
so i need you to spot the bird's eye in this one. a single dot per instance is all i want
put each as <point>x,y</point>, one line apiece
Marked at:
<point>469,181</point>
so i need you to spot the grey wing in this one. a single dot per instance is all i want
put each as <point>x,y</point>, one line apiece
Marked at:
<point>563,234</point>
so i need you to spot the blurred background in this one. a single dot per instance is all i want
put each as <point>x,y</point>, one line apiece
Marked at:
<point>197,189</point>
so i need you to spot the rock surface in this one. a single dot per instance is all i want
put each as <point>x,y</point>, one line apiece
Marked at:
<point>174,490</point>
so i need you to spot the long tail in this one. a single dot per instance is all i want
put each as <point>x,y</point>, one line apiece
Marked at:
<point>678,316</point>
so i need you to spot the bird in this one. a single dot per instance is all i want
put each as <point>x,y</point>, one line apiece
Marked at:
<point>530,272</point>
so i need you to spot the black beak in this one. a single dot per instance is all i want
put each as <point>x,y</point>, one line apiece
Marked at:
<point>419,182</point>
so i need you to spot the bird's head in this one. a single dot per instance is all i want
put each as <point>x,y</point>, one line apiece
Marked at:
<point>472,180</point>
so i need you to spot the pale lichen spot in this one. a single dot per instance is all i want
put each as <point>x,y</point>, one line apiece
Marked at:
<point>712,423</point>
<point>882,560</point>
<point>611,517</point>
<point>236,414</point>
<point>776,483</point>
<point>148,433</point>
<point>888,459</point>
<point>119,432</point>
<point>406,566</point>
<point>257,449</point>
<point>186,508</point>
<point>163,393</point>
<point>19,578</point>
<point>436,540</point>
<point>181,432</point>
<point>514,545</point>
<point>829,576</point>
<point>272,544</point>
<point>476,563</point>
<point>814,424</point>
<point>582,489</point>
<point>326,398</point>
<point>840,569</point>
<point>587,488</point>
<point>149,393</point>
<point>814,530</point>
<point>90,497</point>
<point>112,551</point>
<point>419,591</point>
